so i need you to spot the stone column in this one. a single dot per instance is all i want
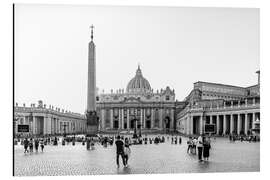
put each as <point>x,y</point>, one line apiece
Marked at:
<point>52,125</point>
<point>70,126</point>
<point>246,123</point>
<point>152,118</point>
<point>128,118</point>
<point>217,125</point>
<point>58,126</point>
<point>183,122</point>
<point>111,118</point>
<point>34,125</point>
<point>119,118</point>
<point>224,124</point>
<point>141,118</point>
<point>49,130</point>
<point>123,118</point>
<point>172,119</point>
<point>68,129</point>
<point>253,119</point>
<point>239,124</point>
<point>201,125</point>
<point>231,124</point>
<point>160,118</point>
<point>102,119</point>
<point>55,127</point>
<point>211,119</point>
<point>144,119</point>
<point>44,125</point>
<point>187,125</point>
<point>191,124</point>
<point>76,126</point>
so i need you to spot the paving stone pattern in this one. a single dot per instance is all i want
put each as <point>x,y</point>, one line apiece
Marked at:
<point>145,159</point>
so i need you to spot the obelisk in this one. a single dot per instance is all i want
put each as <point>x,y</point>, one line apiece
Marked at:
<point>92,119</point>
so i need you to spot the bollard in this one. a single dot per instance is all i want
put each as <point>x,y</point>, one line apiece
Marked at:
<point>87,145</point>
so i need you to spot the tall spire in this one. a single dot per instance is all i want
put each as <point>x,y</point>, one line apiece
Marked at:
<point>92,27</point>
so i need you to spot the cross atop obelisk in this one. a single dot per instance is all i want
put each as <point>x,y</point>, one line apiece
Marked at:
<point>92,27</point>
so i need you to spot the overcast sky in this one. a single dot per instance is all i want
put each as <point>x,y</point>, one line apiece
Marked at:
<point>174,46</point>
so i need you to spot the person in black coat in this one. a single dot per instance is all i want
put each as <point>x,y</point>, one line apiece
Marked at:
<point>206,148</point>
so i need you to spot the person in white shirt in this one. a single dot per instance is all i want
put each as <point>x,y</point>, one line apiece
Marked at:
<point>200,147</point>
<point>194,144</point>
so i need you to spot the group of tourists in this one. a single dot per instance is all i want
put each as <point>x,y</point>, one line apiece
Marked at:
<point>175,139</point>
<point>203,145</point>
<point>31,143</point>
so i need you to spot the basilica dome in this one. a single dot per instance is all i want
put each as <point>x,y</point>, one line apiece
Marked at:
<point>138,84</point>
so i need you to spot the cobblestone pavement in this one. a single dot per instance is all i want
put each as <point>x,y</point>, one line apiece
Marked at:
<point>150,158</point>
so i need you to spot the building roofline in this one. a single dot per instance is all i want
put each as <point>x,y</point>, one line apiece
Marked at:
<point>253,86</point>
<point>220,84</point>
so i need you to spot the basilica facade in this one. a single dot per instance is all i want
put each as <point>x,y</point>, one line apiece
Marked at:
<point>137,106</point>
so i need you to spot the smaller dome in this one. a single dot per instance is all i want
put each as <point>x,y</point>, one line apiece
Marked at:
<point>138,84</point>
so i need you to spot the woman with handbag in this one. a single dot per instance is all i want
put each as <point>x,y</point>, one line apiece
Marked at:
<point>127,151</point>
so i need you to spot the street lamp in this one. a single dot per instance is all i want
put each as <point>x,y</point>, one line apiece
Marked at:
<point>135,127</point>
<point>64,125</point>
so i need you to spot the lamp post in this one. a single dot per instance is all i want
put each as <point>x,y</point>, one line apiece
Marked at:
<point>64,125</point>
<point>135,127</point>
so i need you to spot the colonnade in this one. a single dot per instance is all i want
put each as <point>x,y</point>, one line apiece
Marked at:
<point>42,125</point>
<point>225,123</point>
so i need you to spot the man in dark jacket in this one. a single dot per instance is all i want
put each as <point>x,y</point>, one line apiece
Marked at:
<point>119,151</point>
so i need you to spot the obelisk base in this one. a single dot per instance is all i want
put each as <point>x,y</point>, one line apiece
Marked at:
<point>92,123</point>
<point>91,130</point>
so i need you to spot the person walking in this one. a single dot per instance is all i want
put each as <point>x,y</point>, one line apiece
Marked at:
<point>180,140</point>
<point>26,143</point>
<point>206,148</point>
<point>200,147</point>
<point>36,144</point>
<point>42,144</point>
<point>189,144</point>
<point>31,145</point>
<point>194,145</point>
<point>127,151</point>
<point>119,151</point>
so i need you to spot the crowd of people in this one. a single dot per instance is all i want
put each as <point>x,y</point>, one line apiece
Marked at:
<point>30,144</point>
<point>241,138</point>
<point>201,146</point>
